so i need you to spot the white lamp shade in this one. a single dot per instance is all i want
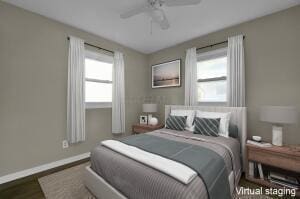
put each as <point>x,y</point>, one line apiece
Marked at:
<point>279,114</point>
<point>149,108</point>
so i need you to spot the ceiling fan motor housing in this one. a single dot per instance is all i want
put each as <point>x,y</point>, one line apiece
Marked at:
<point>156,3</point>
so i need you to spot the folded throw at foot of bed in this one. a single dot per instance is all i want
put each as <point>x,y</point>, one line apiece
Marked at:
<point>167,166</point>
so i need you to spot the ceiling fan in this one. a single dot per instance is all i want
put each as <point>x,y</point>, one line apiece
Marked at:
<point>154,9</point>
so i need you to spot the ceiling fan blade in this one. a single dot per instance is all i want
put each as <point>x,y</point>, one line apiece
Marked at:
<point>136,11</point>
<point>181,2</point>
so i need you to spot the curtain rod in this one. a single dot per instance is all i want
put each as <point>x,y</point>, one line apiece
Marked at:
<point>212,45</point>
<point>112,52</point>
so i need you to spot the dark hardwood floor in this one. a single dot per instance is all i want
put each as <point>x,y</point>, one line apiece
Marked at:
<point>26,190</point>
<point>29,187</point>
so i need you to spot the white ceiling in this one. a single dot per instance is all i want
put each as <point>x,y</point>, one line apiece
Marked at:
<point>101,17</point>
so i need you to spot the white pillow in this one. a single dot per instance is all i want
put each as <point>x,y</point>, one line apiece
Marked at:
<point>224,122</point>
<point>190,117</point>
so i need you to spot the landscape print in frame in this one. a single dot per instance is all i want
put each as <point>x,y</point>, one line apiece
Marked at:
<point>166,74</point>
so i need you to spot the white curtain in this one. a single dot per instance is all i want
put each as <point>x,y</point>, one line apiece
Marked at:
<point>76,102</point>
<point>190,98</point>
<point>118,98</point>
<point>236,71</point>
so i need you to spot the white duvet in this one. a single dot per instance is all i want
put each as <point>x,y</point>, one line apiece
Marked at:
<point>174,169</point>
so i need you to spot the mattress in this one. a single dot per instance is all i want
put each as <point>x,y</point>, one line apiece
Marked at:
<point>136,180</point>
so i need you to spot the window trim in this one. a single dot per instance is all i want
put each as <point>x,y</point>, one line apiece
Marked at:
<point>96,105</point>
<point>99,56</point>
<point>213,79</point>
<point>102,58</point>
<point>98,81</point>
<point>213,54</point>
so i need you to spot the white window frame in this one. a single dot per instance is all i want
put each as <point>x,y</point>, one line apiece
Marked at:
<point>213,54</point>
<point>102,58</point>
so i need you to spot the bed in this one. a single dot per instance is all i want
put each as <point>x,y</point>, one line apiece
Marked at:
<point>115,175</point>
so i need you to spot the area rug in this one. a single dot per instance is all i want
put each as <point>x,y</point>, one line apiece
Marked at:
<point>68,184</point>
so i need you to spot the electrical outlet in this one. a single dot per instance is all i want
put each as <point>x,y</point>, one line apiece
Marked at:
<point>65,144</point>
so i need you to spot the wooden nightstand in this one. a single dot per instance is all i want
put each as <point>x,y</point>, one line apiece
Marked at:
<point>285,158</point>
<point>144,128</point>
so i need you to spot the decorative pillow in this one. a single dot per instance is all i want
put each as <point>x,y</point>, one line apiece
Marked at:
<point>207,126</point>
<point>233,131</point>
<point>176,122</point>
<point>190,114</point>
<point>224,122</point>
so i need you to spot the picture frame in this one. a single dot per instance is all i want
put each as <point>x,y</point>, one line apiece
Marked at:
<point>167,74</point>
<point>143,119</point>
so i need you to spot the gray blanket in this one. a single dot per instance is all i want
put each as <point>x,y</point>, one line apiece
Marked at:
<point>208,164</point>
<point>136,180</point>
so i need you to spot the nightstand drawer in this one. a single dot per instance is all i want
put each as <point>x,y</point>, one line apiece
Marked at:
<point>143,128</point>
<point>284,161</point>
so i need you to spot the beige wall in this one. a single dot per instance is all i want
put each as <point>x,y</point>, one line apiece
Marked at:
<point>33,90</point>
<point>272,50</point>
<point>33,82</point>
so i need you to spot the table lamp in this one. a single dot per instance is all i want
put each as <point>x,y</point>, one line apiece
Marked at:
<point>278,116</point>
<point>149,108</point>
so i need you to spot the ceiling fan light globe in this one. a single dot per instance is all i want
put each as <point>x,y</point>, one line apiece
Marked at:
<point>158,14</point>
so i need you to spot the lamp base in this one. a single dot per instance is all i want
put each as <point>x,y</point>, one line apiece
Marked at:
<point>149,117</point>
<point>277,135</point>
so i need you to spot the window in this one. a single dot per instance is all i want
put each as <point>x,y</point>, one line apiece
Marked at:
<point>212,76</point>
<point>98,80</point>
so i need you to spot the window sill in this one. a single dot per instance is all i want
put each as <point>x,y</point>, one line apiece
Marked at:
<point>213,103</point>
<point>97,105</point>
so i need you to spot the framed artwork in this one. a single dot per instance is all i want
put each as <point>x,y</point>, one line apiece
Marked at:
<point>166,74</point>
<point>143,119</point>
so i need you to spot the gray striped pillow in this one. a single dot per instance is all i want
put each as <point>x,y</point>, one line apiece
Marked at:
<point>207,126</point>
<point>176,122</point>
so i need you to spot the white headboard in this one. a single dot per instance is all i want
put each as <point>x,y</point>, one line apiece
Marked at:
<point>238,117</point>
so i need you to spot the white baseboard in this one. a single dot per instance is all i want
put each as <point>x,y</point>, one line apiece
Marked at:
<point>41,168</point>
